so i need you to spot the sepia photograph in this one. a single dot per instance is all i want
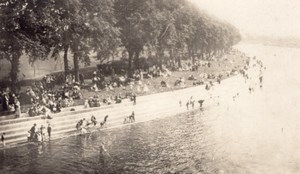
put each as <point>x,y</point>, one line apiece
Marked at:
<point>150,86</point>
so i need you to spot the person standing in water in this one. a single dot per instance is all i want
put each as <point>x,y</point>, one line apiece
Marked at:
<point>260,78</point>
<point>187,104</point>
<point>134,99</point>
<point>43,130</point>
<point>201,103</point>
<point>103,153</point>
<point>49,129</point>
<point>3,139</point>
<point>192,102</point>
<point>103,157</point>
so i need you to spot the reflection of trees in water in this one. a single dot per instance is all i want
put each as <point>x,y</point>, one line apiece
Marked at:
<point>101,141</point>
<point>128,147</point>
<point>2,157</point>
<point>102,159</point>
<point>32,158</point>
<point>81,142</point>
<point>173,143</point>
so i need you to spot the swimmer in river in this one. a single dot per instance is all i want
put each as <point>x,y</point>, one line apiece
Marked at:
<point>103,151</point>
<point>201,103</point>
<point>260,78</point>
<point>187,105</point>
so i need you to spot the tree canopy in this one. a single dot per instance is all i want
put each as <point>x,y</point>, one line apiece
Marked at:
<point>41,28</point>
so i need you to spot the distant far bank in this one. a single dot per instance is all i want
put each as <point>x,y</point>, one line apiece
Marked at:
<point>289,42</point>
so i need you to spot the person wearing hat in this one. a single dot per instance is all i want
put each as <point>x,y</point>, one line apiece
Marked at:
<point>3,139</point>
<point>49,129</point>
<point>42,129</point>
<point>18,109</point>
<point>32,132</point>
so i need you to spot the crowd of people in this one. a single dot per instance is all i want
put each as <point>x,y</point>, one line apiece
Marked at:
<point>84,126</point>
<point>43,95</point>
<point>46,97</point>
<point>100,82</point>
<point>9,102</point>
<point>252,66</point>
<point>252,73</point>
<point>130,118</point>
<point>38,134</point>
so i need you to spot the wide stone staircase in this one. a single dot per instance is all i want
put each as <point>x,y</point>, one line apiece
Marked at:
<point>148,107</point>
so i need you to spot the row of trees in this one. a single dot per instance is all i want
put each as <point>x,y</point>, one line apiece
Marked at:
<point>46,28</point>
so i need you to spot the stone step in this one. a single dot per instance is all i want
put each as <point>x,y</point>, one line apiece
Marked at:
<point>78,109</point>
<point>59,132</point>
<point>148,107</point>
<point>114,115</point>
<point>71,113</point>
<point>75,121</point>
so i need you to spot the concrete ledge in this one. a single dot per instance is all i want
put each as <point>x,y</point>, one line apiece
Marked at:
<point>148,107</point>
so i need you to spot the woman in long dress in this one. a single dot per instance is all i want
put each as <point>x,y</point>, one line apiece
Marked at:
<point>18,109</point>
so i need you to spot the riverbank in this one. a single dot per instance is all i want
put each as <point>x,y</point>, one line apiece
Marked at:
<point>222,67</point>
<point>148,107</point>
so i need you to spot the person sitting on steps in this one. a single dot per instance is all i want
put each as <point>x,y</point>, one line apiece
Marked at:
<point>131,117</point>
<point>103,123</point>
<point>93,120</point>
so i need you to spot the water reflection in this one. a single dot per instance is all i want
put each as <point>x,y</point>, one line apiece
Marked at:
<point>140,148</point>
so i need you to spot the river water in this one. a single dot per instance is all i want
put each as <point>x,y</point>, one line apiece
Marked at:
<point>255,133</point>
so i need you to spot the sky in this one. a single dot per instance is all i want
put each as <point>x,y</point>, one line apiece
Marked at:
<point>257,17</point>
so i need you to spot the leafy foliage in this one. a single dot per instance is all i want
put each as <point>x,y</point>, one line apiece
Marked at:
<point>47,27</point>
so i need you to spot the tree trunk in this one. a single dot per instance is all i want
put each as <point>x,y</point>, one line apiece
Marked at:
<point>34,70</point>
<point>209,55</point>
<point>171,54</point>
<point>193,57</point>
<point>130,56</point>
<point>160,55</point>
<point>136,59</point>
<point>160,61</point>
<point>172,58</point>
<point>179,62</point>
<point>189,54</point>
<point>66,65</point>
<point>15,62</point>
<point>76,65</point>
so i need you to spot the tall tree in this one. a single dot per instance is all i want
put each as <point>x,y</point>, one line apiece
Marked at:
<point>134,20</point>
<point>20,33</point>
<point>85,26</point>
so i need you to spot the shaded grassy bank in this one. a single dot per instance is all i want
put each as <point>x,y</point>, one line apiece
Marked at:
<point>223,66</point>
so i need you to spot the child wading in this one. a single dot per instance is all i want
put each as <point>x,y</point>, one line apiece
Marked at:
<point>131,117</point>
<point>3,139</point>
<point>43,132</point>
<point>187,105</point>
<point>134,99</point>
<point>260,78</point>
<point>49,130</point>
<point>201,103</point>
<point>33,132</point>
